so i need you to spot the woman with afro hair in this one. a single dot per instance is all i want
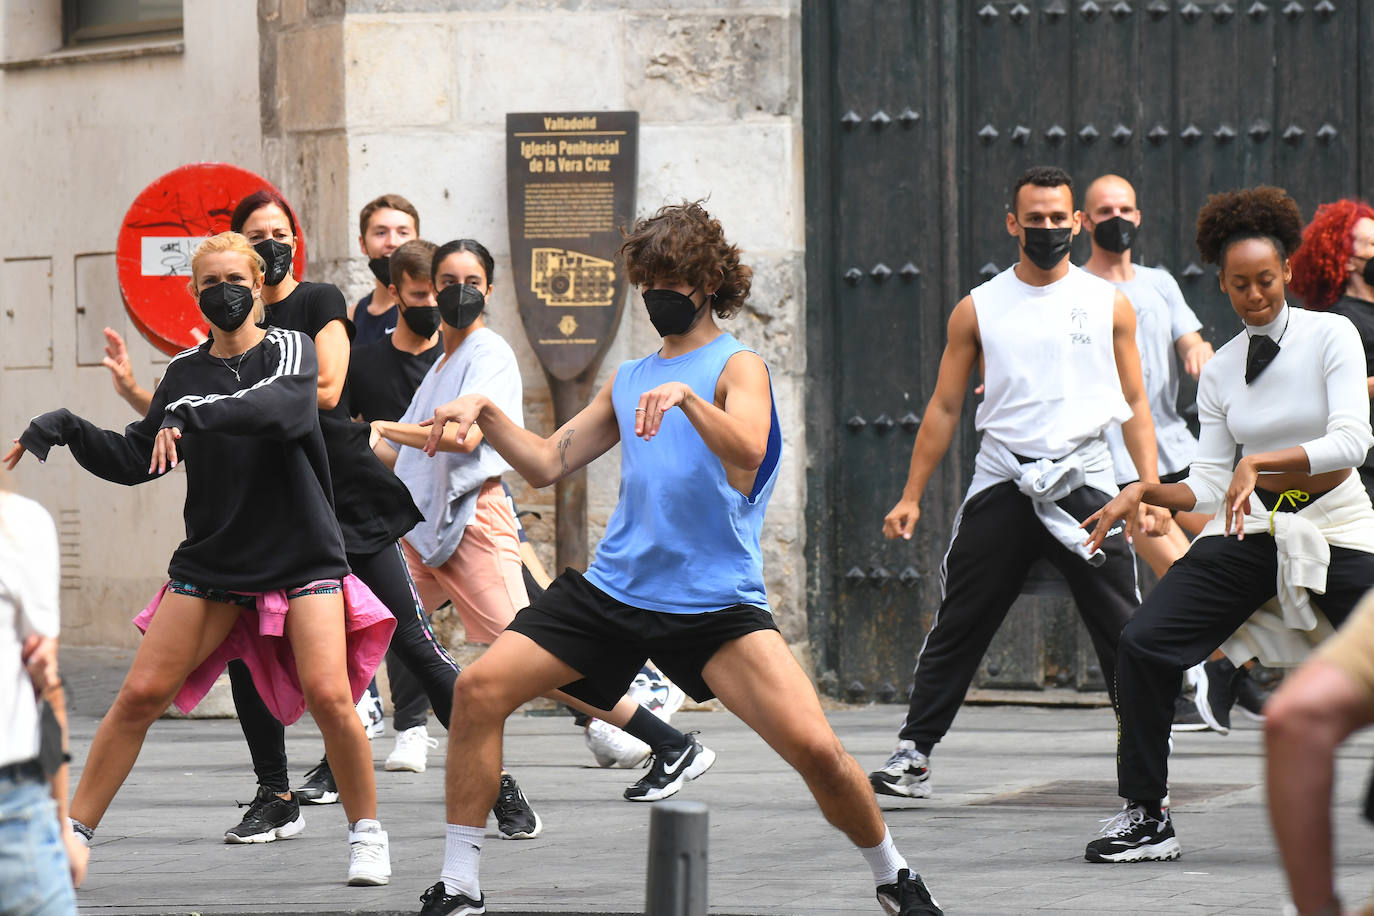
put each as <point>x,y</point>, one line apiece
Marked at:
<point>1290,519</point>
<point>1334,271</point>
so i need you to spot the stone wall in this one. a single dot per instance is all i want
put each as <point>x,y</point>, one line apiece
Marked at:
<point>424,93</point>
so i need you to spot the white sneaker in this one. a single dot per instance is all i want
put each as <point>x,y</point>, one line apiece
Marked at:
<point>614,748</point>
<point>652,689</point>
<point>369,858</point>
<point>370,712</point>
<point>412,747</point>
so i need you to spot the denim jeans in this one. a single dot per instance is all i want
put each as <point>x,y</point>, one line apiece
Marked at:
<point>35,877</point>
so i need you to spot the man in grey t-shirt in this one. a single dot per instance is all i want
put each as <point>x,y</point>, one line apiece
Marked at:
<point>1165,328</point>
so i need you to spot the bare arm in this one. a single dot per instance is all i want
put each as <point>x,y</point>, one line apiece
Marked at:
<point>1138,432</point>
<point>39,655</point>
<point>736,430</point>
<point>540,461</point>
<point>331,349</point>
<point>941,417</point>
<point>414,435</point>
<point>1194,352</point>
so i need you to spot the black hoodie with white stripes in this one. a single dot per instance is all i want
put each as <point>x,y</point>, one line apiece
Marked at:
<point>258,512</point>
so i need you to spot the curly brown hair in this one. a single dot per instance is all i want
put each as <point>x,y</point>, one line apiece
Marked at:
<point>1262,212</point>
<point>683,242</point>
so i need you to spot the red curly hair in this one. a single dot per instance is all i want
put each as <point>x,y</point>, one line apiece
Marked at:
<point>1319,265</point>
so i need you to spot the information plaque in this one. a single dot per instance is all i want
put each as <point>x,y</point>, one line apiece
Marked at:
<point>570,189</point>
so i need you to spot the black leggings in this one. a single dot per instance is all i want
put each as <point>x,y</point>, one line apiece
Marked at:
<point>1206,595</point>
<point>413,643</point>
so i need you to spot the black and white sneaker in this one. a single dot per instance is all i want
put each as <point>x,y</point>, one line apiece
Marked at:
<point>1250,696</point>
<point>1134,836</point>
<point>515,819</point>
<point>319,787</point>
<point>906,773</point>
<point>907,897</point>
<point>1220,694</point>
<point>669,770</point>
<point>1186,716</point>
<point>438,902</point>
<point>270,817</point>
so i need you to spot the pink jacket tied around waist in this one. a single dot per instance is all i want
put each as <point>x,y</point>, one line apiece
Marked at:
<point>257,638</point>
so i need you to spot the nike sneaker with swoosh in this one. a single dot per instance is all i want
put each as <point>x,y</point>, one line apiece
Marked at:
<point>669,769</point>
<point>1135,836</point>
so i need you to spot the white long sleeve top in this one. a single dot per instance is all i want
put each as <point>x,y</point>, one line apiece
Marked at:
<point>1312,395</point>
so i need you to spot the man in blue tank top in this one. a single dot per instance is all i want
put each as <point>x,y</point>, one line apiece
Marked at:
<point>1058,356</point>
<point>678,575</point>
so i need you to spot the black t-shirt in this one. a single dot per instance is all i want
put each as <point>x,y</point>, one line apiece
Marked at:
<point>374,507</point>
<point>1361,314</point>
<point>258,513</point>
<point>372,328</point>
<point>382,378</point>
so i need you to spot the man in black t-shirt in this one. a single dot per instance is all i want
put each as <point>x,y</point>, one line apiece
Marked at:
<point>383,375</point>
<point>383,226</point>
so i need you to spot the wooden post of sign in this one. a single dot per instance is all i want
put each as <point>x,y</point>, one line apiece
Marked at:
<point>570,187</point>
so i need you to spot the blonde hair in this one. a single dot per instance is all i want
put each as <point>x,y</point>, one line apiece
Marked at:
<point>230,242</point>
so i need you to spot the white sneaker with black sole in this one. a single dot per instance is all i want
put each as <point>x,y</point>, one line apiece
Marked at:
<point>905,775</point>
<point>411,751</point>
<point>669,770</point>
<point>369,858</point>
<point>1134,836</point>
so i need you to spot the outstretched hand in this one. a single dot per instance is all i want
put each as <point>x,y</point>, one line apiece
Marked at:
<point>117,361</point>
<point>164,450</point>
<point>13,455</point>
<point>1121,510</point>
<point>654,403</point>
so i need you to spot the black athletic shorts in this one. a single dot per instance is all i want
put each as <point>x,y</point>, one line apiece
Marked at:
<point>608,641</point>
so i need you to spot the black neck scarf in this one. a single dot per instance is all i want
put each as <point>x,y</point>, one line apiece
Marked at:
<point>1263,350</point>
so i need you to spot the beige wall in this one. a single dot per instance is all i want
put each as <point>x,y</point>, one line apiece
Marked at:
<point>82,137</point>
<point>354,103</point>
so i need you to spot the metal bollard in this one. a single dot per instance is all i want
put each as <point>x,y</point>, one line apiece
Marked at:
<point>677,859</point>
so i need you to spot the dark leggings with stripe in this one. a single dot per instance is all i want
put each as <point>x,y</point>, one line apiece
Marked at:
<point>413,643</point>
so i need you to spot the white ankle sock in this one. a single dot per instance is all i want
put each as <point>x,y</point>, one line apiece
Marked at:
<point>884,859</point>
<point>462,853</point>
<point>365,825</point>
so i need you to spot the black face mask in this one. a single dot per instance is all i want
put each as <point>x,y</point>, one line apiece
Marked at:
<point>1368,272</point>
<point>1116,234</point>
<point>277,256</point>
<point>381,269</point>
<point>1047,247</point>
<point>422,319</point>
<point>460,304</point>
<point>226,305</point>
<point>671,312</point>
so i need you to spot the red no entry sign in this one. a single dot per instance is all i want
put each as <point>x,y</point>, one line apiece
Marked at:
<point>160,233</point>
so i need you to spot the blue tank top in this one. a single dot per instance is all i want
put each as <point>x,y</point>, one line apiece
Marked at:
<point>681,539</point>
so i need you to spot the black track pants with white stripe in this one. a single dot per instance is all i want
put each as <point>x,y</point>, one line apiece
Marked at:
<point>997,537</point>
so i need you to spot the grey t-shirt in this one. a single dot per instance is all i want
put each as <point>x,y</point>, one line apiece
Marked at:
<point>1161,318</point>
<point>445,487</point>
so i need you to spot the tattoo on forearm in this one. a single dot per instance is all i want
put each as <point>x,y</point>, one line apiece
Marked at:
<point>563,442</point>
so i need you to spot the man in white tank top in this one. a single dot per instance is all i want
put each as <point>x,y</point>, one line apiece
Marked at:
<point>1058,356</point>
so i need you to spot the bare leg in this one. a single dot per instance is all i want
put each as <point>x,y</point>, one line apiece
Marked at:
<point>316,630</point>
<point>1316,709</point>
<point>758,680</point>
<point>181,635</point>
<point>618,715</point>
<point>513,671</point>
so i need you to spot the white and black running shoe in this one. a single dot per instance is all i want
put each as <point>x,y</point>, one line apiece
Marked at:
<point>319,787</point>
<point>907,896</point>
<point>269,817</point>
<point>439,902</point>
<point>515,819</point>
<point>1134,836</point>
<point>670,769</point>
<point>906,773</point>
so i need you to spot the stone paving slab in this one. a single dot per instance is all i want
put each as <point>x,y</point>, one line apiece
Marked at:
<point>160,851</point>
